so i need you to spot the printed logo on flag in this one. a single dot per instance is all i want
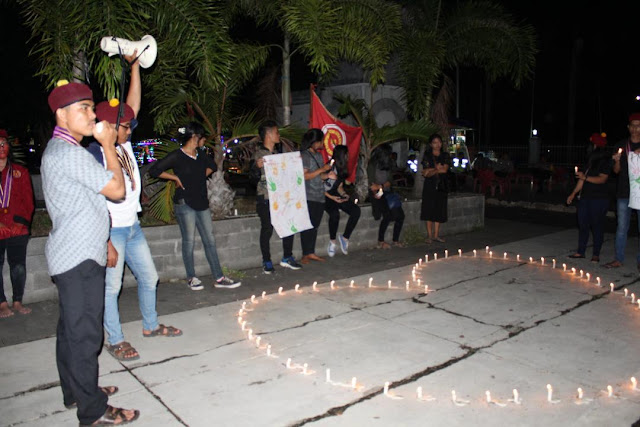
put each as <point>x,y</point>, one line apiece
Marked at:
<point>333,135</point>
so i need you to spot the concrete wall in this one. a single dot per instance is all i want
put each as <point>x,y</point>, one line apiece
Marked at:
<point>238,245</point>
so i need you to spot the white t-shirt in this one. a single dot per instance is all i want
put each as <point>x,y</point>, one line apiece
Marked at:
<point>125,213</point>
<point>634,180</point>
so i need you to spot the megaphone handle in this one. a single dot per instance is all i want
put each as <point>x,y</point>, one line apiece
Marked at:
<point>140,54</point>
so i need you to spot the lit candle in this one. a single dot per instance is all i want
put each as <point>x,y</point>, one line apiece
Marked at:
<point>297,288</point>
<point>240,312</point>
<point>352,284</point>
<point>419,393</point>
<point>549,393</point>
<point>328,375</point>
<point>634,383</point>
<point>633,298</point>
<point>304,369</point>
<point>389,284</point>
<point>486,248</point>
<point>269,350</point>
<point>446,253</point>
<point>353,383</point>
<point>576,169</point>
<point>253,299</point>
<point>488,394</point>
<point>333,282</point>
<point>504,256</point>
<point>407,285</point>
<point>280,290</point>
<point>435,257</point>
<point>459,252</point>
<point>598,280</point>
<point>518,257</point>
<point>355,201</point>
<point>588,277</point>
<point>564,267</point>
<point>581,273</point>
<point>554,263</point>
<point>626,292</point>
<point>541,260</point>
<point>426,290</point>
<point>289,363</point>
<point>420,261</point>
<point>638,304</point>
<point>264,294</point>
<point>418,282</point>
<point>612,286</point>
<point>573,270</point>
<point>475,253</point>
<point>244,305</point>
<point>258,339</point>
<point>250,335</point>
<point>244,325</point>
<point>610,391</point>
<point>240,320</point>
<point>516,398</point>
<point>580,393</point>
<point>490,254</point>
<point>619,150</point>
<point>426,258</point>
<point>453,395</point>
<point>530,260</point>
<point>386,388</point>
<point>370,281</point>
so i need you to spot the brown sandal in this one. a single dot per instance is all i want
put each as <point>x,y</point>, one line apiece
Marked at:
<point>613,264</point>
<point>123,352</point>
<point>163,331</point>
<point>109,390</point>
<point>114,416</point>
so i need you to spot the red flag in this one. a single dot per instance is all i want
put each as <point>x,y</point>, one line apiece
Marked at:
<point>335,133</point>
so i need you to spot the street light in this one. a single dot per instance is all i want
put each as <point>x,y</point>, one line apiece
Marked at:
<point>535,132</point>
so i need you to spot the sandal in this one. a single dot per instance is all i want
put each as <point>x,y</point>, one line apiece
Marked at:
<point>109,390</point>
<point>114,416</point>
<point>383,245</point>
<point>428,241</point>
<point>123,352</point>
<point>575,256</point>
<point>613,264</point>
<point>595,258</point>
<point>439,239</point>
<point>163,331</point>
<point>398,244</point>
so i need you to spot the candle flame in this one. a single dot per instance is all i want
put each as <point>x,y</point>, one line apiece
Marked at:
<point>353,382</point>
<point>610,391</point>
<point>297,288</point>
<point>264,294</point>
<point>328,375</point>
<point>280,290</point>
<point>253,298</point>
<point>580,393</point>
<point>351,284</point>
<point>488,394</point>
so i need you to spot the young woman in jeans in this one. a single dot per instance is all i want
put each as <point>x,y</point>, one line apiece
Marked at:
<point>191,167</point>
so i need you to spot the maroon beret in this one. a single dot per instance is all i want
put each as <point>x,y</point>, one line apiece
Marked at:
<point>599,139</point>
<point>67,93</point>
<point>634,116</point>
<point>109,111</point>
<point>4,134</point>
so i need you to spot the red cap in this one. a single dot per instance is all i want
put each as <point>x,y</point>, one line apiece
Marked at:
<point>4,134</point>
<point>109,111</point>
<point>634,116</point>
<point>599,139</point>
<point>67,93</point>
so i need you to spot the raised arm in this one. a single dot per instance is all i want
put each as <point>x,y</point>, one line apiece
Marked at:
<point>134,97</point>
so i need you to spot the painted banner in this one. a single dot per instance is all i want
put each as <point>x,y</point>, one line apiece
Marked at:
<point>287,194</point>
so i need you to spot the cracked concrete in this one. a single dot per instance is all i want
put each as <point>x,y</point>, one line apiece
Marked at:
<point>489,325</point>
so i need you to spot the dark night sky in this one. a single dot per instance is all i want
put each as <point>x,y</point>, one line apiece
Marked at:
<point>606,75</point>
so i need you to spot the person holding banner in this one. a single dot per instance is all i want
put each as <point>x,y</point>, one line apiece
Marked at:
<point>336,199</point>
<point>315,172</point>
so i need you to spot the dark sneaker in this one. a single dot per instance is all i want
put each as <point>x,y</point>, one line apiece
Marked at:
<point>195,284</point>
<point>267,267</point>
<point>226,282</point>
<point>290,263</point>
<point>344,244</point>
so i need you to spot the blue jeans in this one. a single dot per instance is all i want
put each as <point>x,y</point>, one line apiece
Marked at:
<point>133,249</point>
<point>189,219</point>
<point>624,219</point>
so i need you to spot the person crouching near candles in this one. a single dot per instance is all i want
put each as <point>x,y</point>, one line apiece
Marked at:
<point>191,166</point>
<point>16,210</point>
<point>336,199</point>
<point>593,202</point>
<point>384,202</point>
<point>435,190</point>
<point>75,187</point>
<point>315,172</point>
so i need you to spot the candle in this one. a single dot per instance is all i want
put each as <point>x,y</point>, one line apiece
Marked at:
<point>453,395</point>
<point>333,282</point>
<point>516,399</point>
<point>588,277</point>
<point>638,304</point>
<point>355,201</point>
<point>258,338</point>
<point>240,320</point>
<point>612,286</point>
<point>353,383</point>
<point>626,292</point>
<point>549,393</point>
<point>530,260</point>
<point>633,298</point>
<point>240,312</point>
<point>370,280</point>
<point>435,257</point>
<point>504,256</point>
<point>269,350</point>
<point>264,294</point>
<point>619,150</point>
<point>564,267</point>
<point>328,375</point>
<point>289,363</point>
<point>459,252</point>
<point>244,305</point>
<point>580,393</point>
<point>554,263</point>
<point>581,273</point>
<point>576,169</point>
<point>573,270</point>
<point>486,248</point>
<point>304,369</point>
<point>280,291</point>
<point>235,212</point>
<point>244,325</point>
<point>426,258</point>
<point>250,335</point>
<point>253,299</point>
<point>407,285</point>
<point>634,383</point>
<point>419,393</point>
<point>426,290</point>
<point>418,282</point>
<point>389,284</point>
<point>610,391</point>
<point>518,258</point>
<point>474,253</point>
<point>542,260</point>
<point>490,254</point>
<point>352,284</point>
<point>446,253</point>
<point>386,388</point>
<point>598,280</point>
<point>488,394</point>
<point>420,261</point>
<point>297,288</point>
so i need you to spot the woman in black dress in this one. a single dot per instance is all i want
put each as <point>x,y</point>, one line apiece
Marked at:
<point>435,164</point>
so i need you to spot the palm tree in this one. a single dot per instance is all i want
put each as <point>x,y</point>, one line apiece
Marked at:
<point>374,136</point>
<point>364,32</point>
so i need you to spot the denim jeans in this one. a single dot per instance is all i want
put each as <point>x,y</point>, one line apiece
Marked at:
<point>189,219</point>
<point>624,219</point>
<point>592,214</point>
<point>133,249</point>
<point>16,249</point>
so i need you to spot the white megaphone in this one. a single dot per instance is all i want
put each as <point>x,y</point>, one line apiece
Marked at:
<point>147,48</point>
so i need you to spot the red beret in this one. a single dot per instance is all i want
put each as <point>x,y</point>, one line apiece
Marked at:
<point>599,139</point>
<point>634,116</point>
<point>67,93</point>
<point>109,111</point>
<point>4,134</point>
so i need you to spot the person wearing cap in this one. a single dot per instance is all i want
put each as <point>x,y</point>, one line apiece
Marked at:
<point>16,210</point>
<point>593,201</point>
<point>621,154</point>
<point>127,241</point>
<point>75,187</point>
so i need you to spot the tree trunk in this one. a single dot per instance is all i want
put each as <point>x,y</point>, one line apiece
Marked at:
<point>362,173</point>
<point>286,82</point>
<point>220,195</point>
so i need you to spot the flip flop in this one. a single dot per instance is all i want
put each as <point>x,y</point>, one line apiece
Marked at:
<point>163,331</point>
<point>109,390</point>
<point>613,264</point>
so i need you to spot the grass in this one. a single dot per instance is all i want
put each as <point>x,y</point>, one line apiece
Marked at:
<point>414,234</point>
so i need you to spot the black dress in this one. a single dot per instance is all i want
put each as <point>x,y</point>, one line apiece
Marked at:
<point>435,190</point>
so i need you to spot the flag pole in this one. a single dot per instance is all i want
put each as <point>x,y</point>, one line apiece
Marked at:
<point>312,91</point>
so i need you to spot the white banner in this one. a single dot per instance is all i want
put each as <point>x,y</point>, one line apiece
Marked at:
<point>287,194</point>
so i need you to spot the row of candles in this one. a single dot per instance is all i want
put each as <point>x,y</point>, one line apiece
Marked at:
<point>579,398</point>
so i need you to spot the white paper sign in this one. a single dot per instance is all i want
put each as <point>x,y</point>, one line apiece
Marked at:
<point>287,194</point>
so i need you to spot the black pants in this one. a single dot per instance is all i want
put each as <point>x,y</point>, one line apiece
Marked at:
<point>16,249</point>
<point>396,215</point>
<point>592,214</point>
<point>266,231</point>
<point>333,210</point>
<point>79,338</point>
<point>308,237</point>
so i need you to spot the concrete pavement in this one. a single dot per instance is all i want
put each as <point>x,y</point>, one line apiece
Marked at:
<point>489,325</point>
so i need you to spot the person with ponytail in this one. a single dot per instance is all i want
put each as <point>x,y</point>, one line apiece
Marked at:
<point>191,167</point>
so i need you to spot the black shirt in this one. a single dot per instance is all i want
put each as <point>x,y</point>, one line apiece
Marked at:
<point>600,165</point>
<point>429,161</point>
<point>192,174</point>
<point>622,188</point>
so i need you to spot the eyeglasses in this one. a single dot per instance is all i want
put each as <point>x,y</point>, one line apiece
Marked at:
<point>126,127</point>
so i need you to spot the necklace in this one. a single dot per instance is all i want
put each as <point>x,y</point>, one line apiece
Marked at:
<point>193,156</point>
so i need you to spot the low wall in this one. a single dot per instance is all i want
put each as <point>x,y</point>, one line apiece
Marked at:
<point>237,240</point>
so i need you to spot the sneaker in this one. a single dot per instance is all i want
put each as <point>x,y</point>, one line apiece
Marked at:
<point>331,249</point>
<point>195,284</point>
<point>344,244</point>
<point>267,267</point>
<point>226,282</point>
<point>290,263</point>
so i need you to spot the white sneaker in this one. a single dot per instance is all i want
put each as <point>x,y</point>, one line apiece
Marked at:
<point>226,282</point>
<point>344,244</point>
<point>195,284</point>
<point>331,249</point>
